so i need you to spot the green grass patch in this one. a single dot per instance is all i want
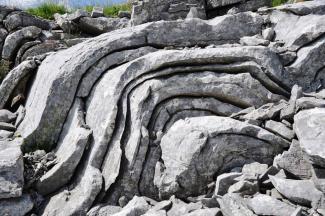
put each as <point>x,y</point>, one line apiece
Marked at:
<point>278,2</point>
<point>47,10</point>
<point>112,10</point>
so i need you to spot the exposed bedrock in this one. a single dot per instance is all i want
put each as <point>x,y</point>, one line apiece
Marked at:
<point>69,66</point>
<point>230,75</point>
<point>210,145</point>
<point>220,116</point>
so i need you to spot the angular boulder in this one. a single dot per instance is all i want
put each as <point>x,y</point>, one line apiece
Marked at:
<point>224,181</point>
<point>234,204</point>
<point>205,144</point>
<point>265,205</point>
<point>302,192</point>
<point>310,129</point>
<point>23,19</point>
<point>293,161</point>
<point>17,39</point>
<point>97,26</point>
<point>280,129</point>
<point>137,206</point>
<point>11,169</point>
<point>12,80</point>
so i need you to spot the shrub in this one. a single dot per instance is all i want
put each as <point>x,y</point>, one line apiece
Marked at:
<point>47,10</point>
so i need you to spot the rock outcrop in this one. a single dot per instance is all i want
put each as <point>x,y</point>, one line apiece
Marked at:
<point>174,115</point>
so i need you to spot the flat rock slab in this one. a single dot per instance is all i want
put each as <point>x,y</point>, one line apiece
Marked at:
<point>302,192</point>
<point>234,204</point>
<point>11,169</point>
<point>310,129</point>
<point>205,212</point>
<point>304,8</point>
<point>280,129</point>
<point>265,205</point>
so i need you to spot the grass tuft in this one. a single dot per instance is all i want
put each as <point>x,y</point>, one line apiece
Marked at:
<point>112,10</point>
<point>47,10</point>
<point>278,2</point>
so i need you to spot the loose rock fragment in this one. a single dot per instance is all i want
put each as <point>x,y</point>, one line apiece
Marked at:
<point>280,129</point>
<point>310,129</point>
<point>234,204</point>
<point>224,181</point>
<point>11,169</point>
<point>293,161</point>
<point>266,205</point>
<point>299,191</point>
<point>16,39</point>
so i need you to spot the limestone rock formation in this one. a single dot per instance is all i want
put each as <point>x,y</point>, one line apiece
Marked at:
<point>188,108</point>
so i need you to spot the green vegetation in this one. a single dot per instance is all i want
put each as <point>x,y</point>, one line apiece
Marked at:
<point>47,10</point>
<point>112,11</point>
<point>278,2</point>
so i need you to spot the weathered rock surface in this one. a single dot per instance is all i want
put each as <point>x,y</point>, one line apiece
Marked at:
<point>293,161</point>
<point>181,208</point>
<point>102,210</point>
<point>234,204</point>
<point>188,173</point>
<point>244,188</point>
<point>202,212</point>
<point>16,39</point>
<point>266,205</point>
<point>7,116</point>
<point>299,191</point>
<point>69,150</point>
<point>123,38</point>
<point>11,169</point>
<point>153,10</point>
<point>224,181</point>
<point>137,206</point>
<point>280,129</point>
<point>16,206</point>
<point>188,108</point>
<point>305,8</point>
<point>96,26</point>
<point>12,80</point>
<point>309,127</point>
<point>23,19</point>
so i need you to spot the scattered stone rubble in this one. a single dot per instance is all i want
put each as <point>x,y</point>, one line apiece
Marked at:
<point>178,116</point>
